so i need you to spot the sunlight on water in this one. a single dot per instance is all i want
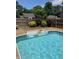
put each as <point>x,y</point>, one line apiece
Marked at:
<point>48,46</point>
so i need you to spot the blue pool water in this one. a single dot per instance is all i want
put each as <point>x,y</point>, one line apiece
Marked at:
<point>49,46</point>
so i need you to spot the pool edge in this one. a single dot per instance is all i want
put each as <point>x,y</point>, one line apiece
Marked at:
<point>25,34</point>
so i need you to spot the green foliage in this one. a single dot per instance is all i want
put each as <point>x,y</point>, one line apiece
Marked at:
<point>58,11</point>
<point>17,14</point>
<point>53,10</point>
<point>38,22</point>
<point>44,16</point>
<point>37,10</point>
<point>48,8</point>
<point>40,12</point>
<point>32,24</point>
<point>26,10</point>
<point>20,10</point>
<point>43,23</point>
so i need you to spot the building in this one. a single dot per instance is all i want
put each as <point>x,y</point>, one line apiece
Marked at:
<point>29,16</point>
<point>23,20</point>
<point>51,17</point>
<point>55,21</point>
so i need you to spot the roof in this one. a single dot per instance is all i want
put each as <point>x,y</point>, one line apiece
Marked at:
<point>52,17</point>
<point>19,18</point>
<point>28,15</point>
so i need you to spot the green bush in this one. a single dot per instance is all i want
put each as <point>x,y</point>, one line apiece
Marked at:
<point>38,22</point>
<point>32,24</point>
<point>43,23</point>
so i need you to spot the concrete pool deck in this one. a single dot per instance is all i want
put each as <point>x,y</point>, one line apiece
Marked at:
<point>20,32</point>
<point>24,31</point>
<point>17,54</point>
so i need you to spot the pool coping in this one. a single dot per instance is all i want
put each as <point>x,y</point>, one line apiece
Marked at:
<point>59,30</point>
<point>56,29</point>
<point>18,52</point>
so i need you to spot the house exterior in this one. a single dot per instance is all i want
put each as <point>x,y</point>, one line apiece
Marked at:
<point>52,17</point>
<point>52,20</point>
<point>23,20</point>
<point>55,21</point>
<point>29,16</point>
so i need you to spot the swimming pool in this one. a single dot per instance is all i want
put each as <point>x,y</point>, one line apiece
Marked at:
<point>48,46</point>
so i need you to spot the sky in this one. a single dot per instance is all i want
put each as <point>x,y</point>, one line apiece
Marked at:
<point>29,4</point>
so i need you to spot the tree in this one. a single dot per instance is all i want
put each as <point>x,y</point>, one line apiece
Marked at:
<point>26,10</point>
<point>48,8</point>
<point>17,14</point>
<point>58,11</point>
<point>20,10</point>
<point>37,10</point>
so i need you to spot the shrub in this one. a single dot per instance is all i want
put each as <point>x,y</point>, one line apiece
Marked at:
<point>38,22</point>
<point>32,24</point>
<point>43,23</point>
<point>49,22</point>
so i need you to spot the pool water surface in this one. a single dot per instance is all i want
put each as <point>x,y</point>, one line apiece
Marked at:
<point>48,46</point>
